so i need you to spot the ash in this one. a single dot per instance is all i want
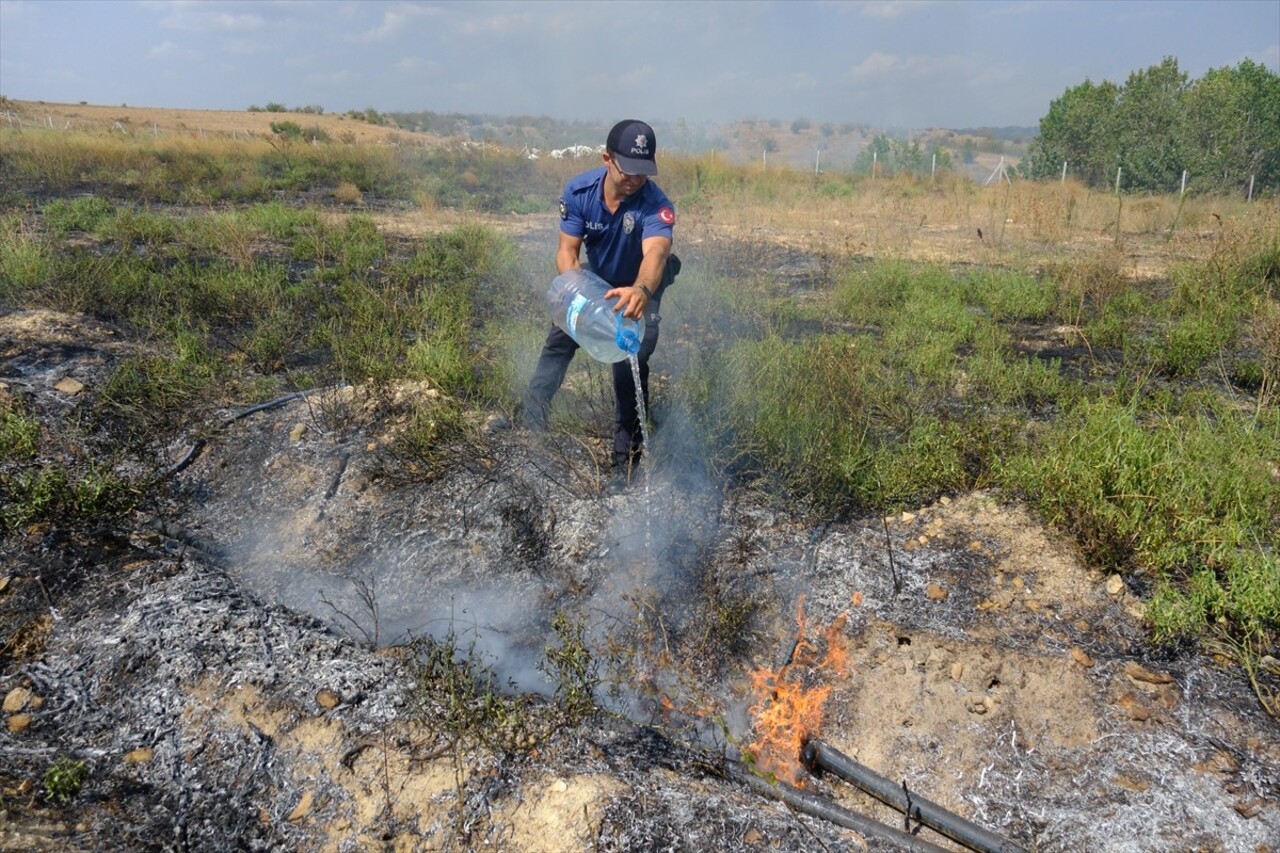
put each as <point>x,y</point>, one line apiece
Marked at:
<point>238,668</point>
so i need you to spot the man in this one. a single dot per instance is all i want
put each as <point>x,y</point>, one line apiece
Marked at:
<point>625,222</point>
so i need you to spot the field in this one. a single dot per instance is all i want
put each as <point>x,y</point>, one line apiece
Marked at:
<point>977,483</point>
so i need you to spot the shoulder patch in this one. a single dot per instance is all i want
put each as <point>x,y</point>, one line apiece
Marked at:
<point>667,215</point>
<point>564,210</point>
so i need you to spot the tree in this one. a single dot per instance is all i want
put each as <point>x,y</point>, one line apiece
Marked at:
<point>1232,126</point>
<point>1080,130</point>
<point>1149,115</point>
<point>1222,129</point>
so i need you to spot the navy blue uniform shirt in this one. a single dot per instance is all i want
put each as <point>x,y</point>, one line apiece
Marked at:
<point>613,240</point>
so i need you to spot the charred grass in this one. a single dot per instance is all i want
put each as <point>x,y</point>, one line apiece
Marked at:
<point>1140,414</point>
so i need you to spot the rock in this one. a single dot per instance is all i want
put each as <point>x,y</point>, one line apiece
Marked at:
<point>69,386</point>
<point>4,583</point>
<point>16,700</point>
<point>1129,783</point>
<point>328,699</point>
<point>1081,657</point>
<point>908,517</point>
<point>1138,712</point>
<point>753,836</point>
<point>978,705</point>
<point>1115,585</point>
<point>1139,673</point>
<point>299,430</point>
<point>957,671</point>
<point>558,787</point>
<point>1251,809</point>
<point>944,500</point>
<point>975,546</point>
<point>923,540</point>
<point>141,755</point>
<point>301,809</point>
<point>1220,762</point>
<point>935,593</point>
<point>19,722</point>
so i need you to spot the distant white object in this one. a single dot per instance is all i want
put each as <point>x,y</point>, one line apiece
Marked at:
<point>575,151</point>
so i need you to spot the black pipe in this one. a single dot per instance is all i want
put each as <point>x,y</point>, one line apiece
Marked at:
<point>820,756</point>
<point>815,806</point>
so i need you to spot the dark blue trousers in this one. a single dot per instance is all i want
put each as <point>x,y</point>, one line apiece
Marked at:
<point>553,363</point>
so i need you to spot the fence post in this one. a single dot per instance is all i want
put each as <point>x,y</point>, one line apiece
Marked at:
<point>933,170</point>
<point>874,155</point>
<point>1117,180</point>
<point>1064,172</point>
<point>817,159</point>
<point>1184,183</point>
<point>764,158</point>
<point>1250,198</point>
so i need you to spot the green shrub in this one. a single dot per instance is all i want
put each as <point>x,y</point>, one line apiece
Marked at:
<point>87,213</point>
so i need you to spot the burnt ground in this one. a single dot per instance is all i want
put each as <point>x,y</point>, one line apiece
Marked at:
<point>233,663</point>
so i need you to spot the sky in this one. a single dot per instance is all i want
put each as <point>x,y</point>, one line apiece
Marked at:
<point>882,63</point>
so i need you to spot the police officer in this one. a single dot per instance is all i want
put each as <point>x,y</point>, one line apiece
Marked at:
<point>625,222</point>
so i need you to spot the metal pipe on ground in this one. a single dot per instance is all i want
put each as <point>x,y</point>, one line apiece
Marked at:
<point>819,756</point>
<point>815,806</point>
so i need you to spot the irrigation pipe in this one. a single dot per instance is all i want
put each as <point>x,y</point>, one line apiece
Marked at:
<point>819,756</point>
<point>815,806</point>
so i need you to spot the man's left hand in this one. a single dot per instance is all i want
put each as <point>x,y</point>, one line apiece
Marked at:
<point>631,300</point>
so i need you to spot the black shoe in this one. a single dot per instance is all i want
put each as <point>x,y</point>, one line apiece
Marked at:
<point>533,418</point>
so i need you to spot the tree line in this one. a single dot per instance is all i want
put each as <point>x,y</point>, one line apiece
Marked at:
<point>1223,129</point>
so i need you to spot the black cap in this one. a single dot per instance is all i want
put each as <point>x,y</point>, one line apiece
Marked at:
<point>632,144</point>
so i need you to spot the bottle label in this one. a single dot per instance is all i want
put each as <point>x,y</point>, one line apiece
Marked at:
<point>571,317</point>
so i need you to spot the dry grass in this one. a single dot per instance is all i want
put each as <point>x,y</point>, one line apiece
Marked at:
<point>168,122</point>
<point>953,220</point>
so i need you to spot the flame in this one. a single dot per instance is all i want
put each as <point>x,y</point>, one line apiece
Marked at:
<point>787,711</point>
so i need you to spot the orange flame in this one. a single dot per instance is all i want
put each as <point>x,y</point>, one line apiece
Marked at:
<point>787,711</point>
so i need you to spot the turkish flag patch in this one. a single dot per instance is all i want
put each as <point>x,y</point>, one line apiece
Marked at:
<point>667,215</point>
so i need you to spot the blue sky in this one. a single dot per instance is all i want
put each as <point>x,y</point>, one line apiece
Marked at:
<point>885,63</point>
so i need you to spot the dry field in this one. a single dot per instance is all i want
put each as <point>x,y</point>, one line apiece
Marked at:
<point>175,121</point>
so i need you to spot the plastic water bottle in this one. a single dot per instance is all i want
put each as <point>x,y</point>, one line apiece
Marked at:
<point>577,303</point>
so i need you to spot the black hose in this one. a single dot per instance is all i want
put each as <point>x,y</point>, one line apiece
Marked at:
<point>815,806</point>
<point>820,756</point>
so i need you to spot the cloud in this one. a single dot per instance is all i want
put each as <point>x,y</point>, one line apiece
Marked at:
<point>395,20</point>
<point>888,10</point>
<point>415,65</point>
<point>199,16</point>
<point>164,50</point>
<point>954,70</point>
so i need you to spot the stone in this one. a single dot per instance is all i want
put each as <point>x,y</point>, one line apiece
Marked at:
<point>141,755</point>
<point>957,671</point>
<point>1081,657</point>
<point>16,700</point>
<point>753,836</point>
<point>19,722</point>
<point>299,430</point>
<point>908,517</point>
<point>4,583</point>
<point>935,593</point>
<point>69,386</point>
<point>1115,585</point>
<point>1137,711</point>
<point>328,699</point>
<point>1139,673</point>
<point>302,808</point>
<point>1251,809</point>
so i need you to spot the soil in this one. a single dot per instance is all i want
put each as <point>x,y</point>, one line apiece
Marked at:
<point>231,663</point>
